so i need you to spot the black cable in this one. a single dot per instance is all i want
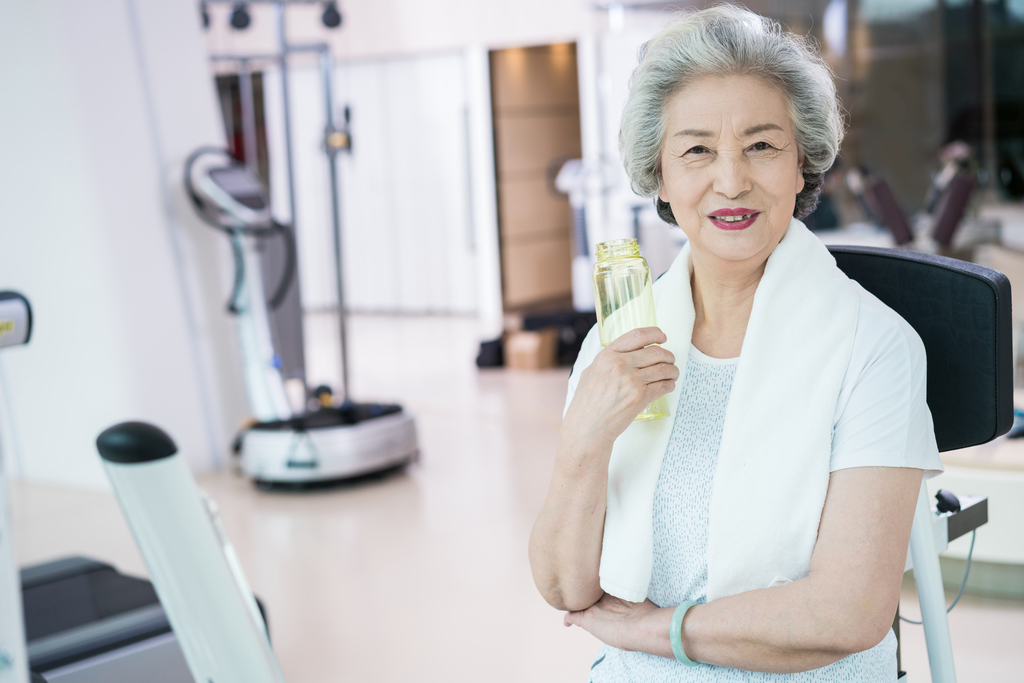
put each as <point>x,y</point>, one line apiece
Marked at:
<point>963,584</point>
<point>290,262</point>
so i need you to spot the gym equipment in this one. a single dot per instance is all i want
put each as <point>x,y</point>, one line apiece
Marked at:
<point>967,336</point>
<point>87,623</point>
<point>82,620</point>
<point>15,329</point>
<point>948,199</point>
<point>194,568</point>
<point>331,443</point>
<point>571,180</point>
<point>283,448</point>
<point>952,205</point>
<point>877,202</point>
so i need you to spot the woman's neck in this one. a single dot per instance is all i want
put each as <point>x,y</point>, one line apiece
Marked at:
<point>723,296</point>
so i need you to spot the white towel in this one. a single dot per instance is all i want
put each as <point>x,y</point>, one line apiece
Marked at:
<point>773,462</point>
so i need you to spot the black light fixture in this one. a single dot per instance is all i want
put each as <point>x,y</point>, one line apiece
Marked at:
<point>331,16</point>
<point>205,14</point>
<point>240,18</point>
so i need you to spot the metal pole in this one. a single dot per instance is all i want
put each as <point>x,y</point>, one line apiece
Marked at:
<point>930,594</point>
<point>13,655</point>
<point>332,160</point>
<point>326,70</point>
<point>16,314</point>
<point>248,101</point>
<point>286,110</point>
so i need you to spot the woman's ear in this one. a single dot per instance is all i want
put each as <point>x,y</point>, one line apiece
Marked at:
<point>663,193</point>
<point>800,174</point>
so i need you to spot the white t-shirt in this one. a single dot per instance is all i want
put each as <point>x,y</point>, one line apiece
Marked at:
<point>882,417</point>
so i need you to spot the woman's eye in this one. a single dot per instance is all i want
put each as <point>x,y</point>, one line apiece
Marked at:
<point>699,149</point>
<point>761,147</point>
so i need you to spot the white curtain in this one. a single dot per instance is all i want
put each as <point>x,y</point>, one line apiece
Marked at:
<point>406,206</point>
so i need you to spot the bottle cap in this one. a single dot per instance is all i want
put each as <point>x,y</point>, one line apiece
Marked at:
<point>624,248</point>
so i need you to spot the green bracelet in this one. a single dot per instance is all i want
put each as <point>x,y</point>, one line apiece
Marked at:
<point>675,633</point>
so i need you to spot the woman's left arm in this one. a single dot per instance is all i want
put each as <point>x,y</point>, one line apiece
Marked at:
<point>846,604</point>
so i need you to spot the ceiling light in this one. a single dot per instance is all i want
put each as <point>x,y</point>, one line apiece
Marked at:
<point>240,18</point>
<point>331,16</point>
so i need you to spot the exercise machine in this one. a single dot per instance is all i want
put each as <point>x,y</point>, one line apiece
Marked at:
<point>75,620</point>
<point>219,626</point>
<point>333,442</point>
<point>85,622</point>
<point>15,329</point>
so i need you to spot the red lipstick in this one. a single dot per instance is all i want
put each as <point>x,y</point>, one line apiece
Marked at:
<point>718,218</point>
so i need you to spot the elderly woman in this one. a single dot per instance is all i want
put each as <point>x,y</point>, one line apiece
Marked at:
<point>763,527</point>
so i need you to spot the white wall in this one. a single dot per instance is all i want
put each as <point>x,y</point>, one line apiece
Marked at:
<point>101,102</point>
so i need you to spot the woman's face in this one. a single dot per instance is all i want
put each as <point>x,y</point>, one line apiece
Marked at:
<point>730,167</point>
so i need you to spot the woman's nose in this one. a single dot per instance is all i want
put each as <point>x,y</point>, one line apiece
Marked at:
<point>732,178</point>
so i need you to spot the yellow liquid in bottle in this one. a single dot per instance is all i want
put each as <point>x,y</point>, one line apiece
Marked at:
<point>624,294</point>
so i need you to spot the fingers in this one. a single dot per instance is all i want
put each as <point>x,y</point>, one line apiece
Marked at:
<point>624,377</point>
<point>658,372</point>
<point>639,368</point>
<point>638,339</point>
<point>629,361</point>
<point>656,390</point>
<point>573,618</point>
<point>652,355</point>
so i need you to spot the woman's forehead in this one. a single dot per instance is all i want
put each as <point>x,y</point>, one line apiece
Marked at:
<point>742,105</point>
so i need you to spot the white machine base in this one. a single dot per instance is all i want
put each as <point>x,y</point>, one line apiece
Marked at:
<point>288,456</point>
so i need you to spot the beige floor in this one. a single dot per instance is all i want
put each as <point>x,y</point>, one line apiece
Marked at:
<point>423,576</point>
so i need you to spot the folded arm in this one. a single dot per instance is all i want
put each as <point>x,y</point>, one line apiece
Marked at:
<point>846,604</point>
<point>565,546</point>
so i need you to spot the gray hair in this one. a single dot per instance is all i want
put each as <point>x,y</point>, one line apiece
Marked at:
<point>726,40</point>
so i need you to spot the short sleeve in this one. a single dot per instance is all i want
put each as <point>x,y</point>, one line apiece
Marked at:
<point>588,350</point>
<point>882,417</point>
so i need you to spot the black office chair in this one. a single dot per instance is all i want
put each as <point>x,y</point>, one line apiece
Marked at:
<point>962,313</point>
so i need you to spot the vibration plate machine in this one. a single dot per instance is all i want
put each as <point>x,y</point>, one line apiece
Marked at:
<point>333,442</point>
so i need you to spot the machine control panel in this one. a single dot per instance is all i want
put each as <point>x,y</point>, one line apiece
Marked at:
<point>15,319</point>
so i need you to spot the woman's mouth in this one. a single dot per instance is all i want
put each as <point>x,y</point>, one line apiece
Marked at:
<point>727,219</point>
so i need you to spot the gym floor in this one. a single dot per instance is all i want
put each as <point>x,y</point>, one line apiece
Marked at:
<point>422,575</point>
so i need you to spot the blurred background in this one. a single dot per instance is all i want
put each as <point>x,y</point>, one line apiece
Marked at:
<point>459,160</point>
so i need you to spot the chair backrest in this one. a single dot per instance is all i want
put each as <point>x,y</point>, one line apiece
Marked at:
<point>962,313</point>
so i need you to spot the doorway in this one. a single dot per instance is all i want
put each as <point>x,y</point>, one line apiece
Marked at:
<point>536,113</point>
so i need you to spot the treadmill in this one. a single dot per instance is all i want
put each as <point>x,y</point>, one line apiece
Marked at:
<point>85,622</point>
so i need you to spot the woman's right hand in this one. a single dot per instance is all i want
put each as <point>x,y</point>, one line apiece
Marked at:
<point>565,545</point>
<point>625,376</point>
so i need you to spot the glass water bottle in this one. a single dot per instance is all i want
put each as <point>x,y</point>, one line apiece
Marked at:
<point>625,300</point>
